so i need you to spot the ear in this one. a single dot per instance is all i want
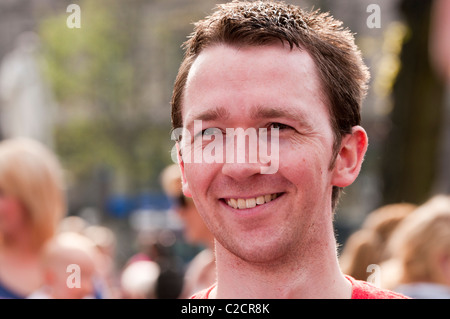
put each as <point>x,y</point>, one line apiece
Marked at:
<point>350,157</point>
<point>184,183</point>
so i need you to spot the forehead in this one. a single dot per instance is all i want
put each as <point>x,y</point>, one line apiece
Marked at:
<point>242,78</point>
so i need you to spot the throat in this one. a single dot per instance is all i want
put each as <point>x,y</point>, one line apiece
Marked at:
<point>302,275</point>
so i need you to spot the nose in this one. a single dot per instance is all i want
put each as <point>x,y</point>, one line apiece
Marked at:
<point>241,157</point>
<point>240,171</point>
<point>244,160</point>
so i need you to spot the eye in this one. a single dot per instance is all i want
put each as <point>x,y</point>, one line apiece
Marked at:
<point>211,131</point>
<point>279,126</point>
<point>208,132</point>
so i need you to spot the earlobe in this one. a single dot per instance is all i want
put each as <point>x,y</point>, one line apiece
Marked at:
<point>184,183</point>
<point>350,157</point>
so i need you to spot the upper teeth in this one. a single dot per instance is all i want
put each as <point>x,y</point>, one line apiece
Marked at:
<point>241,203</point>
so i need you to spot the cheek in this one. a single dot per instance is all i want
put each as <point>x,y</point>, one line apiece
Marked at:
<point>199,177</point>
<point>303,167</point>
<point>304,158</point>
<point>11,212</point>
<point>309,177</point>
<point>303,174</point>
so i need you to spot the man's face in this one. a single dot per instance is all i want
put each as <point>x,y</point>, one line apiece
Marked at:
<point>261,87</point>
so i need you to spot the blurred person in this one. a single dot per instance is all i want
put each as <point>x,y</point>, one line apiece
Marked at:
<point>146,243</point>
<point>72,224</point>
<point>195,228</point>
<point>105,241</point>
<point>107,285</point>
<point>139,280</point>
<point>201,271</point>
<point>420,246</point>
<point>385,219</point>
<point>58,254</point>
<point>32,202</point>
<point>367,245</point>
<point>440,38</point>
<point>245,66</point>
<point>360,251</point>
<point>156,245</point>
<point>170,280</point>
<point>439,47</point>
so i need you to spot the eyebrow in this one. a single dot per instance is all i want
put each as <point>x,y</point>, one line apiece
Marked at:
<point>212,114</point>
<point>263,112</point>
<point>258,112</point>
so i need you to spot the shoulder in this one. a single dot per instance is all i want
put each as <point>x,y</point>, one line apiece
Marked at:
<point>203,294</point>
<point>364,290</point>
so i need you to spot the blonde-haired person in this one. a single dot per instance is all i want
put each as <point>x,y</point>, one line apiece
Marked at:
<point>108,286</point>
<point>421,248</point>
<point>367,245</point>
<point>32,202</point>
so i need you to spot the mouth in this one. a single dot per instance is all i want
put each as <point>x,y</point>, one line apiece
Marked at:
<point>245,203</point>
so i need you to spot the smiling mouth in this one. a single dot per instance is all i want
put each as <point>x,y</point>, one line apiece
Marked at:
<point>241,203</point>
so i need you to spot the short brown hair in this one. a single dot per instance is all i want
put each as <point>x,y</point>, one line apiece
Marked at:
<point>343,74</point>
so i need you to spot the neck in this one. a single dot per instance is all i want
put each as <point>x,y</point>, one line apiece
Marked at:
<point>310,272</point>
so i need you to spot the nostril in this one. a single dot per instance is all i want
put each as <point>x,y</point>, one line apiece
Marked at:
<point>241,171</point>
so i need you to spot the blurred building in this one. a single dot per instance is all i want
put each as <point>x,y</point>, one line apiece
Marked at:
<point>27,106</point>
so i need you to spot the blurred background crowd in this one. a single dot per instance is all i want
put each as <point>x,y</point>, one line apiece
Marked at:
<point>87,181</point>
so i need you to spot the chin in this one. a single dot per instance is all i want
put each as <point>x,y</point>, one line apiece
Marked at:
<point>258,253</point>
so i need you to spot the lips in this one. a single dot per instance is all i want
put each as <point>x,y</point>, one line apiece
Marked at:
<point>244,203</point>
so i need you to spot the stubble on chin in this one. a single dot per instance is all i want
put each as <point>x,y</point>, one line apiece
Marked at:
<point>271,253</point>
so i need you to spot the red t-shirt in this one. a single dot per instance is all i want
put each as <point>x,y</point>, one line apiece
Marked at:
<point>360,290</point>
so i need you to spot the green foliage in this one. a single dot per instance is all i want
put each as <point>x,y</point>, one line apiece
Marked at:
<point>93,76</point>
<point>91,61</point>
